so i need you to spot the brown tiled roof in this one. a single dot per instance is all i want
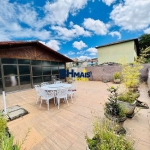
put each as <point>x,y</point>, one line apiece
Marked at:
<point>12,44</point>
<point>118,42</point>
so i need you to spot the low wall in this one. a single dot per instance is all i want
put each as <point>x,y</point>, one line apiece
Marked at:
<point>105,73</point>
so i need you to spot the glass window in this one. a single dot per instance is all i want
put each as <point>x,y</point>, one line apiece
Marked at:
<point>55,70</point>
<point>37,80</point>
<point>23,61</point>
<point>36,71</point>
<point>10,69</point>
<point>9,61</point>
<point>46,78</point>
<point>0,73</point>
<point>11,81</point>
<point>46,71</point>
<point>36,62</point>
<point>61,65</point>
<point>46,63</point>
<point>53,63</point>
<point>24,80</point>
<point>24,70</point>
<point>1,84</point>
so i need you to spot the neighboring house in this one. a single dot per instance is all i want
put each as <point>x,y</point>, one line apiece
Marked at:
<point>82,63</point>
<point>114,51</point>
<point>24,64</point>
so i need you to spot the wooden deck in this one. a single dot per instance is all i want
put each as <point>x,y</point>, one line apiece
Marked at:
<point>65,129</point>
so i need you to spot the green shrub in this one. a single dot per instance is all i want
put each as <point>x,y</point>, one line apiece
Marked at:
<point>117,75</point>
<point>106,139</point>
<point>129,97</point>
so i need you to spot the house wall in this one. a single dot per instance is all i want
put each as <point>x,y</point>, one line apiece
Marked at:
<point>115,52</point>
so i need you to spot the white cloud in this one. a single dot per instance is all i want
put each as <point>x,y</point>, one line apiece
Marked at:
<point>115,33</point>
<point>84,57</point>
<point>92,54</point>
<point>71,53</point>
<point>132,14</point>
<point>147,31</point>
<point>80,52</point>
<point>97,26</point>
<point>12,15</point>
<point>53,44</point>
<point>108,2</point>
<point>71,24</point>
<point>79,45</point>
<point>68,34</point>
<point>59,10</point>
<point>92,50</point>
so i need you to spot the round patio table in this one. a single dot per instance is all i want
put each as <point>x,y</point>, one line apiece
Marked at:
<point>54,87</point>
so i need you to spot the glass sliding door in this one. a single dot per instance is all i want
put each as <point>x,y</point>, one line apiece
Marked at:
<point>36,67</point>
<point>24,76</point>
<point>11,78</point>
<point>16,74</point>
<point>61,67</point>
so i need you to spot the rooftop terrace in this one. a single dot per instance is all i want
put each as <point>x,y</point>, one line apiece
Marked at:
<point>65,129</point>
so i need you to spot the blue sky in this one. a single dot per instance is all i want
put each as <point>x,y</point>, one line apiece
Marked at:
<point>74,27</point>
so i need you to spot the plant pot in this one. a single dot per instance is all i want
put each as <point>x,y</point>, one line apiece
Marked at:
<point>133,89</point>
<point>117,81</point>
<point>87,147</point>
<point>70,81</point>
<point>129,107</point>
<point>115,118</point>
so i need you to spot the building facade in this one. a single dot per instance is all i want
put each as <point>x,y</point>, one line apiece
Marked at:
<point>24,64</point>
<point>115,51</point>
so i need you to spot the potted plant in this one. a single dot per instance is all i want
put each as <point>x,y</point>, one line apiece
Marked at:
<point>128,96</point>
<point>113,110</point>
<point>128,101</point>
<point>131,75</point>
<point>105,138</point>
<point>117,77</point>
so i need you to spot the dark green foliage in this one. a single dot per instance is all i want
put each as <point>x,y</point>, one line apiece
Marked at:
<point>112,107</point>
<point>93,143</point>
<point>144,41</point>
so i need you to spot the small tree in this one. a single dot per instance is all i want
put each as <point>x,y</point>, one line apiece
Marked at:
<point>130,73</point>
<point>112,107</point>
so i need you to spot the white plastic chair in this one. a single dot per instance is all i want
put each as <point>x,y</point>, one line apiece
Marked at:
<point>38,90</point>
<point>47,95</point>
<point>44,83</point>
<point>61,93</point>
<point>71,92</point>
<point>57,82</point>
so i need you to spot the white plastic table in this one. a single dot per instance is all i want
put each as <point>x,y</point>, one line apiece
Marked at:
<point>54,87</point>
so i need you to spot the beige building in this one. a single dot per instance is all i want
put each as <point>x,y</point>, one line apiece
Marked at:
<point>115,51</point>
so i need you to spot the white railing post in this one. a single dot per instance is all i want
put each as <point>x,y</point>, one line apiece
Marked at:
<point>4,102</point>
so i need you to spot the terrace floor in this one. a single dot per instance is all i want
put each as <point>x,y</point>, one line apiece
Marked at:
<point>65,129</point>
